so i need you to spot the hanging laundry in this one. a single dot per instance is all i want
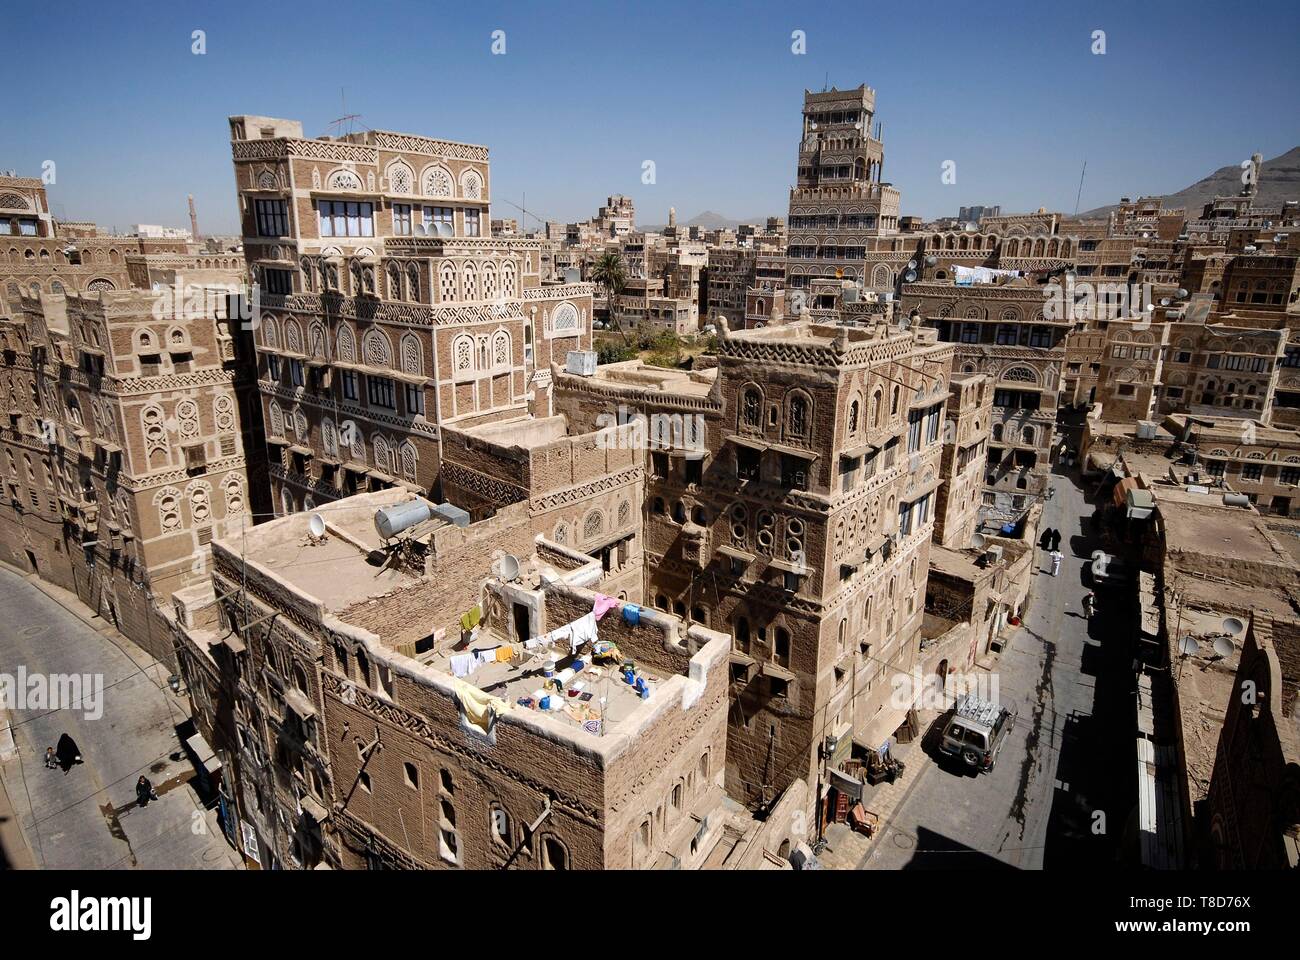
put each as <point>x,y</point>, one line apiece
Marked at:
<point>632,613</point>
<point>462,664</point>
<point>479,708</point>
<point>584,631</point>
<point>604,604</point>
<point>505,653</point>
<point>470,620</point>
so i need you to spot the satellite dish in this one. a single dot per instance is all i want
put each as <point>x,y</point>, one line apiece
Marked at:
<point>317,526</point>
<point>509,567</point>
<point>1188,647</point>
<point>1224,647</point>
<point>931,260</point>
<point>1164,301</point>
<point>911,264</point>
<point>977,541</point>
<point>1232,625</point>
<point>910,276</point>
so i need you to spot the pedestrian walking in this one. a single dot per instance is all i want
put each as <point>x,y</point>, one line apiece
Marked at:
<point>68,752</point>
<point>144,791</point>
<point>1057,559</point>
<point>1089,605</point>
<point>51,759</point>
<point>1056,540</point>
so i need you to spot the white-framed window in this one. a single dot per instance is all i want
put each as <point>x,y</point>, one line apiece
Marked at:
<point>346,218</point>
<point>402,219</point>
<point>446,216</point>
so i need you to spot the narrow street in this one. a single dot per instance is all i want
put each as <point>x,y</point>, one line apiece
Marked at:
<point>1065,783</point>
<point>87,817</point>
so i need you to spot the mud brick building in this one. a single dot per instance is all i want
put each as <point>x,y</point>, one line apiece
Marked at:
<point>840,203</point>
<point>965,453</point>
<point>41,254</point>
<point>122,450</point>
<point>1254,795</point>
<point>584,489</point>
<point>790,503</point>
<point>387,308</point>
<point>353,736</point>
<point>1000,330</point>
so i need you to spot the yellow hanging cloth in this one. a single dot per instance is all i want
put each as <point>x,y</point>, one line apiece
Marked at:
<point>477,705</point>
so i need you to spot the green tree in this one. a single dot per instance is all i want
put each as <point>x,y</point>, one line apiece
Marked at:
<point>608,273</point>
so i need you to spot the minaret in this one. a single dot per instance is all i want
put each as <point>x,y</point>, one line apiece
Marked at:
<point>194,221</point>
<point>672,216</point>
<point>1252,184</point>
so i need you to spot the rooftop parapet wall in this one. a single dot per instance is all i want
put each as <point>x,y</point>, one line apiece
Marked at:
<point>817,345</point>
<point>537,456</point>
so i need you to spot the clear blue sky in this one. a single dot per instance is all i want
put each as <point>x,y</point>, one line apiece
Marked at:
<point>710,91</point>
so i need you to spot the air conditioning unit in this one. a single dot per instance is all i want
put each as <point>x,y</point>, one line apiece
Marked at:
<point>994,553</point>
<point>1146,429</point>
<point>581,362</point>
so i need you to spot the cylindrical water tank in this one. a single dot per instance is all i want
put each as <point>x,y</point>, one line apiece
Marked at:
<point>1236,500</point>
<point>390,521</point>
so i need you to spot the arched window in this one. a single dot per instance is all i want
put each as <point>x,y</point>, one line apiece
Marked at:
<point>462,351</point>
<point>781,647</point>
<point>564,319</point>
<point>741,634</point>
<point>554,854</point>
<point>751,410</point>
<point>797,422</point>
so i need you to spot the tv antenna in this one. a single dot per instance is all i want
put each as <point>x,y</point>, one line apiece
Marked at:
<point>526,212</point>
<point>1079,195</point>
<point>347,118</point>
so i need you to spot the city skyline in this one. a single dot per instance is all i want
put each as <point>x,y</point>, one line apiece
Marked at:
<point>697,92</point>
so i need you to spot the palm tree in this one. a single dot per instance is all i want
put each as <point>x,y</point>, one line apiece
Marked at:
<point>608,272</point>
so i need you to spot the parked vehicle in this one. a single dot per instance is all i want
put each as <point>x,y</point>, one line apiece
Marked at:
<point>976,731</point>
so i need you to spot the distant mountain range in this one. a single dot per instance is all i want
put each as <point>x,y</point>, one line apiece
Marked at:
<point>1279,179</point>
<point>709,220</point>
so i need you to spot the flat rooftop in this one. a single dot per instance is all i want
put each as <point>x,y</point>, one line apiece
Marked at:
<point>527,432</point>
<point>638,375</point>
<point>959,564</point>
<point>522,677</point>
<point>810,333</point>
<point>1195,523</point>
